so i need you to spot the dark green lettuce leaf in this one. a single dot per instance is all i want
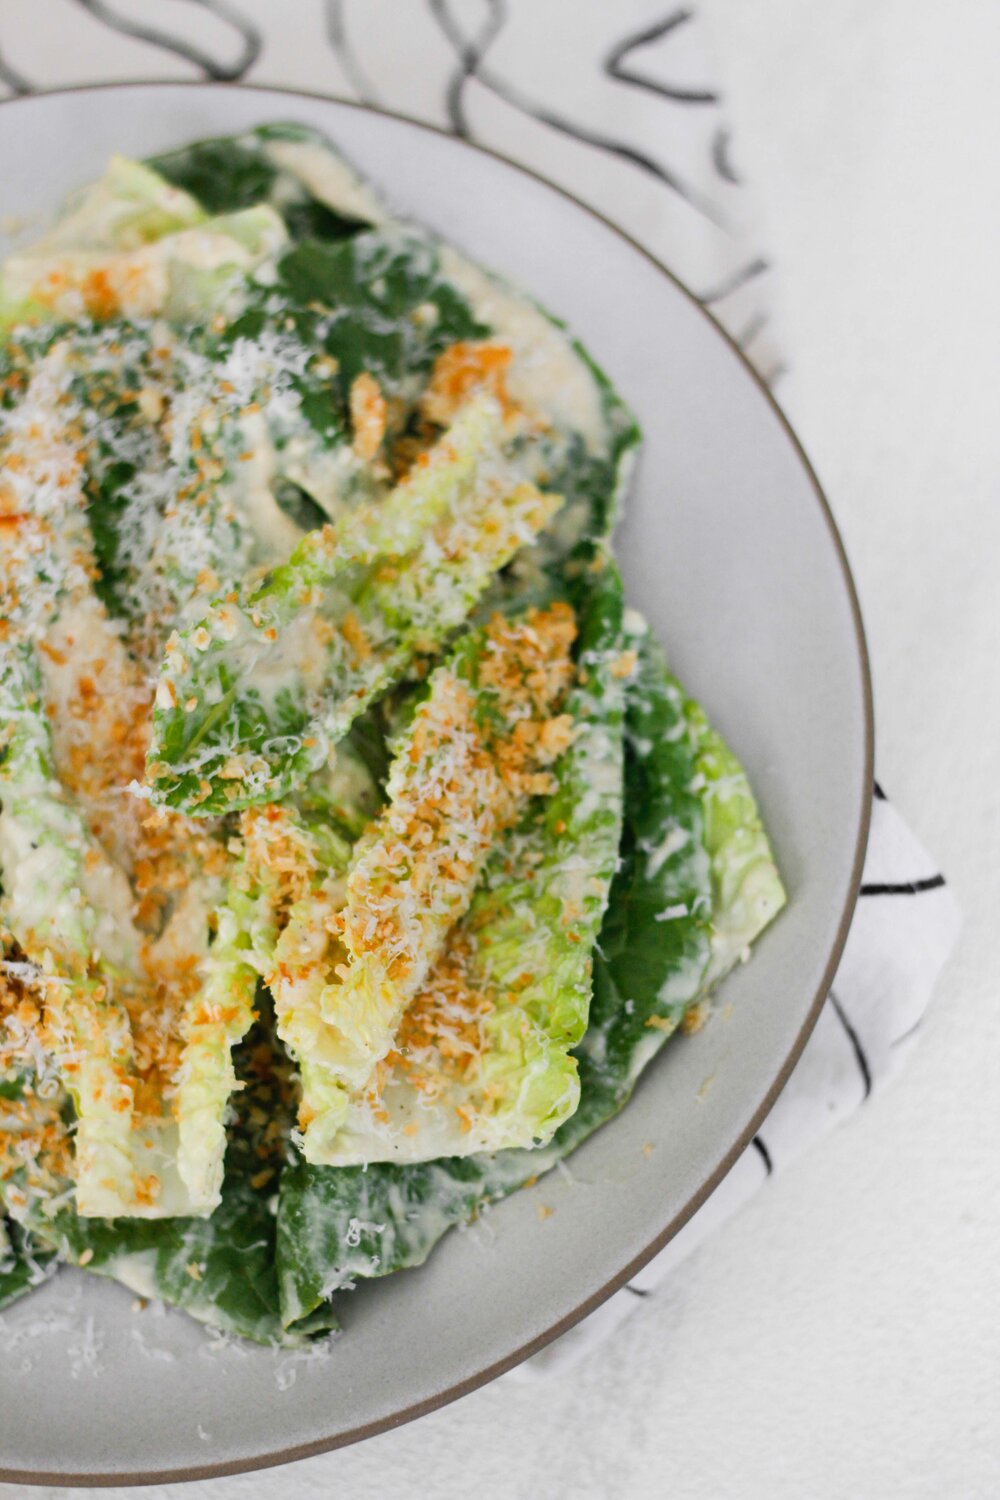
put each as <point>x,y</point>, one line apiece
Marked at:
<point>598,479</point>
<point>234,172</point>
<point>356,301</point>
<point>24,1263</point>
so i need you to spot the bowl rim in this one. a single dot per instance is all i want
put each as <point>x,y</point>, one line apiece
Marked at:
<point>736,1147</point>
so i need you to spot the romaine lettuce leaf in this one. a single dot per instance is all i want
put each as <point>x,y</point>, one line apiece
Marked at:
<point>482,1059</point>
<point>383,302</point>
<point>652,964</point>
<point>283,849</point>
<point>52,869</point>
<point>474,753</point>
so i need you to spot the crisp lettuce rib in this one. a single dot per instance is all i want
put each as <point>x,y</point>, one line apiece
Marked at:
<point>482,1058</point>
<point>28,1116</point>
<point>651,967</point>
<point>252,699</point>
<point>56,884</point>
<point>220,1014</point>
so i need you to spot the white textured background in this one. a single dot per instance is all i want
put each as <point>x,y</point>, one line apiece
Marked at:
<point>841,1338</point>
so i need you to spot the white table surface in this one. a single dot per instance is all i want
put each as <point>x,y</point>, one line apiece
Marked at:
<point>839,1338</point>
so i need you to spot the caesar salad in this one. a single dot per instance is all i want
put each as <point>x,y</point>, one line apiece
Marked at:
<point>358,849</point>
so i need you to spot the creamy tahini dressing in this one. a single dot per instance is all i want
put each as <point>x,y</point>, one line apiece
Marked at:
<point>79,638</point>
<point>547,374</point>
<point>274,532</point>
<point>328,178</point>
<point>330,476</point>
<point>300,650</point>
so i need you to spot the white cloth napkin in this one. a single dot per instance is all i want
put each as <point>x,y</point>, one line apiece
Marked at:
<point>903,930</point>
<point>617,104</point>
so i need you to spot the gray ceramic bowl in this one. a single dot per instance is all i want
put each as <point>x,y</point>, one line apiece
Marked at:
<point>729,547</point>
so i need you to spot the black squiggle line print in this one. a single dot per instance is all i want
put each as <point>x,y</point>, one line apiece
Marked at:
<point>765,1155</point>
<point>720,156</point>
<point>518,100</point>
<point>905,1036</point>
<point>904,887</point>
<point>637,1291</point>
<point>614,63</point>
<point>253,42</point>
<point>755,325</point>
<point>879,793</point>
<point>340,43</point>
<point>736,279</point>
<point>220,72</point>
<point>856,1047</point>
<point>14,79</point>
<point>471,57</point>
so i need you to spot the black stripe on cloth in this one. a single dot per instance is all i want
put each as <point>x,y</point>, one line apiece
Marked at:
<point>763,1153</point>
<point>773,373</point>
<point>221,72</point>
<point>903,887</point>
<point>636,1291</point>
<point>756,325</point>
<point>897,1041</point>
<point>473,67</point>
<point>340,45</point>
<point>614,63</point>
<point>14,80</point>
<point>879,794</point>
<point>736,279</point>
<point>853,1038</point>
<point>720,156</point>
